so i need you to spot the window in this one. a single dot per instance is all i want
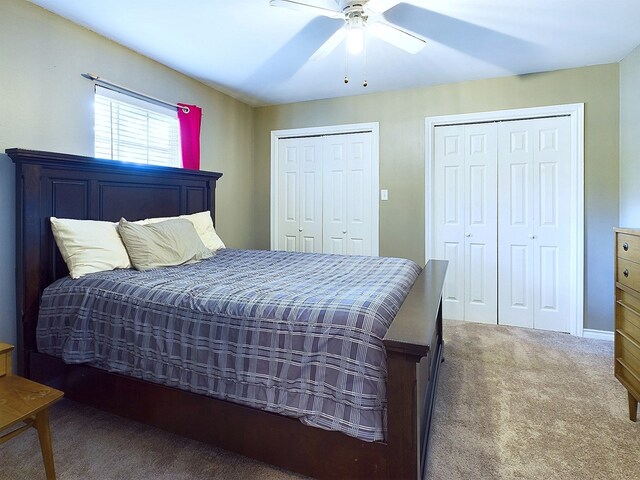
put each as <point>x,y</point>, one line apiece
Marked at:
<point>132,130</point>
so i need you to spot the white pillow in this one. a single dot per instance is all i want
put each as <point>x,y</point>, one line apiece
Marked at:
<point>89,246</point>
<point>204,226</point>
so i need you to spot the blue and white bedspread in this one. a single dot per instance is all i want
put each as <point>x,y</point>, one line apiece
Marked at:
<point>291,333</point>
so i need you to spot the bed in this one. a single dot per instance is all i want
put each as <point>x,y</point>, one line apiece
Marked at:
<point>52,184</point>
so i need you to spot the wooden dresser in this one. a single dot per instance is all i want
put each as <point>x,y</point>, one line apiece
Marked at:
<point>627,327</point>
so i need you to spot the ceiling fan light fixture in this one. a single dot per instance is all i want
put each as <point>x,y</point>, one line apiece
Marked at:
<point>355,35</point>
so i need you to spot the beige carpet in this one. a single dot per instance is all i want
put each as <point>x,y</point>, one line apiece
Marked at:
<point>512,403</point>
<point>527,404</point>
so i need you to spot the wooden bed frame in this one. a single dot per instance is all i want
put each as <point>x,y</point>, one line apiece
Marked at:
<point>70,186</point>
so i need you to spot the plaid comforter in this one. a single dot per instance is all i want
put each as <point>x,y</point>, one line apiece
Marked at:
<point>290,333</point>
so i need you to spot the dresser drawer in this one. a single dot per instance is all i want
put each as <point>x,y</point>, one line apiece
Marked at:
<point>627,377</point>
<point>629,299</point>
<point>632,244</point>
<point>629,273</point>
<point>628,321</point>
<point>629,351</point>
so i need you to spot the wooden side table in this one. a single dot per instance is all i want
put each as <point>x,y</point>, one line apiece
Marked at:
<point>24,401</point>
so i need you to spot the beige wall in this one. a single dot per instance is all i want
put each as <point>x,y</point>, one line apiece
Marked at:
<point>401,116</point>
<point>46,105</point>
<point>630,140</point>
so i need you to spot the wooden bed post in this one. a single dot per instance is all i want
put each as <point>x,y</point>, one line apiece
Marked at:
<point>402,409</point>
<point>414,352</point>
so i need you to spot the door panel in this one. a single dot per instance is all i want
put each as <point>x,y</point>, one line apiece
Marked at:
<point>552,220</point>
<point>335,194</point>
<point>541,147</point>
<point>308,244</point>
<point>519,194</point>
<point>477,262</point>
<point>548,194</point>
<point>452,201</point>
<point>520,286</point>
<point>288,201</point>
<point>311,195</point>
<point>453,285</point>
<point>348,210</point>
<point>515,224</point>
<point>548,285</point>
<point>300,200</point>
<point>477,191</point>
<point>481,262</point>
<point>359,194</point>
<point>449,215</point>
<point>465,219</point>
<point>291,197</point>
<point>336,246</point>
<point>291,243</point>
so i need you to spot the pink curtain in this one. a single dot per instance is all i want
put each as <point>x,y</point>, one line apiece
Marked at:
<point>190,135</point>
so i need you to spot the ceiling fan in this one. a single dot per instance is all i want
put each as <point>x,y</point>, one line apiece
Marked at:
<point>358,15</point>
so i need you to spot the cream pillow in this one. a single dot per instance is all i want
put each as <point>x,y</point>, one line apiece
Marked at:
<point>204,227</point>
<point>89,246</point>
<point>162,244</point>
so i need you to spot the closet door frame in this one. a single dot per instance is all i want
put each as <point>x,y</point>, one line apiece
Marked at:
<point>576,113</point>
<point>373,128</point>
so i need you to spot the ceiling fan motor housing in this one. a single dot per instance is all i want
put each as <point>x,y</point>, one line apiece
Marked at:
<point>354,13</point>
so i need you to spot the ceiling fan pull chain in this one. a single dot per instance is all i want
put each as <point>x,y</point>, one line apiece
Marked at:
<point>346,63</point>
<point>364,62</point>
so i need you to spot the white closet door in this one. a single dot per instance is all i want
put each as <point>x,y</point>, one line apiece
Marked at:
<point>515,220</point>
<point>300,194</point>
<point>465,220</point>
<point>334,232</point>
<point>481,229</point>
<point>359,208</point>
<point>347,212</point>
<point>552,219</point>
<point>539,223</point>
<point>449,215</point>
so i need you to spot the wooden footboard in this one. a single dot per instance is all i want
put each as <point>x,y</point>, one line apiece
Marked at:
<point>414,347</point>
<point>81,187</point>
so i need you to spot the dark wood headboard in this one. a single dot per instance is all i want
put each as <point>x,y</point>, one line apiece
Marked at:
<point>71,186</point>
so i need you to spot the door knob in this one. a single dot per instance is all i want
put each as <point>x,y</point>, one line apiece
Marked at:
<point>344,231</point>
<point>300,229</point>
<point>532,236</point>
<point>467,234</point>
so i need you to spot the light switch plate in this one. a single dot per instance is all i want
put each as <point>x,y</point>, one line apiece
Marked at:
<point>384,194</point>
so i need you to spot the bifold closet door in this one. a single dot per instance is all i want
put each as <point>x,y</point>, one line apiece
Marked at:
<point>534,223</point>
<point>465,219</point>
<point>347,209</point>
<point>300,194</point>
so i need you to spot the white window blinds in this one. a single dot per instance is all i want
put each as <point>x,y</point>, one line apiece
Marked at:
<point>133,130</point>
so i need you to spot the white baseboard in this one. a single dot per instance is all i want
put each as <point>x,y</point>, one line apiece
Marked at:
<point>597,334</point>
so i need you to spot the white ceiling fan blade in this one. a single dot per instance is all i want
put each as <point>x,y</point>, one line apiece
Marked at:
<point>380,6</point>
<point>330,45</point>
<point>396,36</point>
<point>307,7</point>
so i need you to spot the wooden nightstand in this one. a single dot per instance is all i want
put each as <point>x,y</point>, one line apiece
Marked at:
<point>24,401</point>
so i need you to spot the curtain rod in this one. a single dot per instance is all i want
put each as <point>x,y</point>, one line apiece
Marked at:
<point>141,96</point>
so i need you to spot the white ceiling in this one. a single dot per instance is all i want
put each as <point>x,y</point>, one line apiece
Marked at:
<point>260,54</point>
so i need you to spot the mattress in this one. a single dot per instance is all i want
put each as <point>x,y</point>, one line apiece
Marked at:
<point>291,333</point>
